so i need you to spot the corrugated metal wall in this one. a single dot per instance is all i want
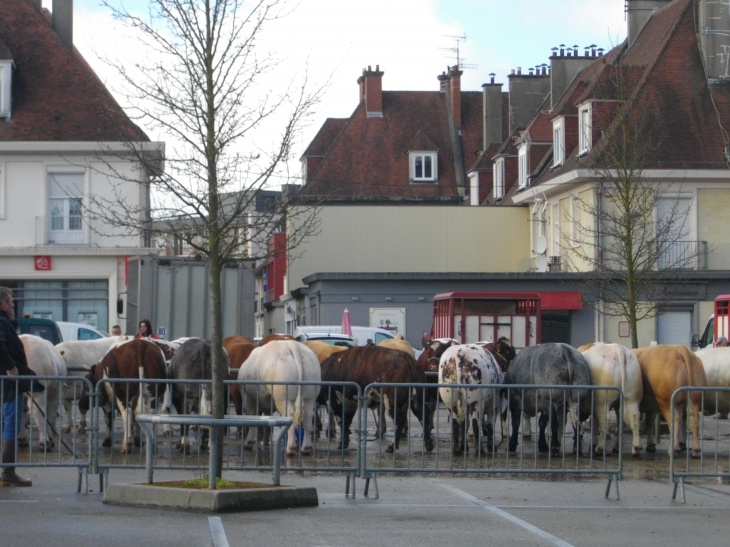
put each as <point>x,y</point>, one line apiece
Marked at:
<point>394,239</point>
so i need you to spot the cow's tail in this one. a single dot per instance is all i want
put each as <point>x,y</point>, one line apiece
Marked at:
<point>462,397</point>
<point>621,360</point>
<point>298,401</point>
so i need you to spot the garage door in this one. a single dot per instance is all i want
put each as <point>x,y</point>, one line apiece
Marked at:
<point>674,327</point>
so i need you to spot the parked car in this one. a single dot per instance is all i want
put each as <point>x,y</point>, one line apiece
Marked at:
<point>361,335</point>
<point>45,328</point>
<point>79,331</point>
<point>344,340</point>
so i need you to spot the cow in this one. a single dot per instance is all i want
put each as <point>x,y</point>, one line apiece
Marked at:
<point>474,365</point>
<point>548,364</point>
<point>44,360</point>
<point>614,365</point>
<point>716,362</point>
<point>237,353</point>
<point>364,365</point>
<point>323,350</point>
<point>237,339</point>
<point>274,338</point>
<point>125,362</point>
<point>282,361</point>
<point>192,361</point>
<point>398,343</point>
<point>428,362</point>
<point>664,369</point>
<point>80,356</point>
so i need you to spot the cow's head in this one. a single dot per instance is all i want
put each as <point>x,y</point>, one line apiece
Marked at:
<point>429,359</point>
<point>503,352</point>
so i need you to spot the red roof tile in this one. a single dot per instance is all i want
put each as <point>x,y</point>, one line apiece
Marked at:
<point>56,95</point>
<point>324,138</point>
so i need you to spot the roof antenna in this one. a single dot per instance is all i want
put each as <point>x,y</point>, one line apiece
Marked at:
<point>456,53</point>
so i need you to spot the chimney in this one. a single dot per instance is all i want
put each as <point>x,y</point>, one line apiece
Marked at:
<point>492,112</point>
<point>455,93</point>
<point>638,14</point>
<point>563,69</point>
<point>62,19</point>
<point>713,22</point>
<point>371,91</point>
<point>527,92</point>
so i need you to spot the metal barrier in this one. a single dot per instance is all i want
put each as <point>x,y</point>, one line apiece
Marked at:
<point>49,429</point>
<point>238,454</point>
<point>248,421</point>
<point>451,453</point>
<point>713,437</point>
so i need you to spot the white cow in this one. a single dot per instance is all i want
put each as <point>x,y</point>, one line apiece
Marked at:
<point>282,361</point>
<point>717,370</point>
<point>614,365</point>
<point>81,355</point>
<point>469,364</point>
<point>44,360</point>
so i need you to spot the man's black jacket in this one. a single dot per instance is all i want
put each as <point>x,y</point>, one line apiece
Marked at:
<point>12,355</point>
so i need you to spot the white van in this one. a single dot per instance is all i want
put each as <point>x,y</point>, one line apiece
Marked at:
<point>361,335</point>
<point>79,331</point>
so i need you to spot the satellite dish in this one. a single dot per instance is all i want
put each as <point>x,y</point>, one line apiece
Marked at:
<point>524,265</point>
<point>542,263</point>
<point>541,245</point>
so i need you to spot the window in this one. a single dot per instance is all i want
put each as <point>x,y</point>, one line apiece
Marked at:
<point>522,166</point>
<point>65,203</point>
<point>558,142</point>
<point>5,88</point>
<point>585,129</point>
<point>498,176</point>
<point>423,166</point>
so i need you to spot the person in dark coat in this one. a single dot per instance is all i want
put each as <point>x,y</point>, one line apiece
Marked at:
<point>12,363</point>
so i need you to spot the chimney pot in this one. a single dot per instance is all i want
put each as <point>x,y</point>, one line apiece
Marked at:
<point>519,71</point>
<point>575,51</point>
<point>491,77</point>
<point>369,68</point>
<point>600,51</point>
<point>531,69</point>
<point>512,72</point>
<point>562,50</point>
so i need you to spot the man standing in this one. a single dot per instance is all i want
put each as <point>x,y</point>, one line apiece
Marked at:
<point>116,330</point>
<point>12,363</point>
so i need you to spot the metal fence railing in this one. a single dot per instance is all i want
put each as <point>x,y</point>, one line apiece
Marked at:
<point>713,435</point>
<point>48,436</point>
<point>454,451</point>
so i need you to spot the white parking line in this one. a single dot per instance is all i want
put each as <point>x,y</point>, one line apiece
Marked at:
<point>218,534</point>
<point>504,514</point>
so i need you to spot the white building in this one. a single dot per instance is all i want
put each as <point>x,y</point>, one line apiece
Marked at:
<point>63,144</point>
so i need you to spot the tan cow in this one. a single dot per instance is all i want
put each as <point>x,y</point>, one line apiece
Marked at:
<point>398,343</point>
<point>322,349</point>
<point>664,369</point>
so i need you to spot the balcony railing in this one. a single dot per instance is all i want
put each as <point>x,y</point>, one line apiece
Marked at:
<point>684,255</point>
<point>45,236</point>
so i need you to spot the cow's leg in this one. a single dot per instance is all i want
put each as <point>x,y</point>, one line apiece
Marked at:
<point>542,422</point>
<point>515,412</point>
<point>477,431</point>
<point>249,405</point>
<point>632,416</point>
<point>308,414</point>
<point>66,412</point>
<point>345,440</point>
<point>40,406</point>
<point>555,420</point>
<point>650,442</point>
<point>457,447</point>
<point>399,416</point>
<point>526,427</point>
<point>693,410</point>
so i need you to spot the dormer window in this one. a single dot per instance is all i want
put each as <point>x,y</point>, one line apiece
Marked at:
<point>424,166</point>
<point>6,73</point>
<point>558,141</point>
<point>498,178</point>
<point>585,129</point>
<point>523,166</point>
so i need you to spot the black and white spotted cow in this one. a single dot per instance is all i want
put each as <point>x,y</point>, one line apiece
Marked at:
<point>469,364</point>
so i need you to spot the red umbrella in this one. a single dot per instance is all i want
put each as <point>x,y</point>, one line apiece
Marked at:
<point>346,323</point>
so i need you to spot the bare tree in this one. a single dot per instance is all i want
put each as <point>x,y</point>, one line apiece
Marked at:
<point>202,83</point>
<point>633,231</point>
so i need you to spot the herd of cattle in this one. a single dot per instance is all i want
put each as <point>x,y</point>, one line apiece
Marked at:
<point>291,377</point>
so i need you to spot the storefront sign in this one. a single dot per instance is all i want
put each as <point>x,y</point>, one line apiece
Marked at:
<point>42,263</point>
<point>695,291</point>
<point>392,319</point>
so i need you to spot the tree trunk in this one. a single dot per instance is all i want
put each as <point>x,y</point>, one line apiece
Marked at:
<point>220,369</point>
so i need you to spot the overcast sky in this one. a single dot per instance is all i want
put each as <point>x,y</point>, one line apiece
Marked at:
<point>405,37</point>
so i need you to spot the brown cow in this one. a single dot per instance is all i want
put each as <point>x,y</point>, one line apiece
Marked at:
<point>237,354</point>
<point>271,337</point>
<point>125,362</point>
<point>236,339</point>
<point>365,365</point>
<point>664,369</point>
<point>323,350</point>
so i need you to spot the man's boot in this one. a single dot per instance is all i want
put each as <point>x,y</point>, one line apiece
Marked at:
<point>8,477</point>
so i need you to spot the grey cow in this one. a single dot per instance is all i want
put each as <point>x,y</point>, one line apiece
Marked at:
<point>542,365</point>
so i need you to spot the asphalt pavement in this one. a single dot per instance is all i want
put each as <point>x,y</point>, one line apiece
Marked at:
<point>411,511</point>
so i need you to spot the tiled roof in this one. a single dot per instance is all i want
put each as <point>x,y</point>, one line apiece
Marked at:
<point>56,95</point>
<point>663,78</point>
<point>540,128</point>
<point>423,142</point>
<point>5,54</point>
<point>325,137</point>
<point>370,159</point>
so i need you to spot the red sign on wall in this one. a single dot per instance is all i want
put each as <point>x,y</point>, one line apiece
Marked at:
<point>42,262</point>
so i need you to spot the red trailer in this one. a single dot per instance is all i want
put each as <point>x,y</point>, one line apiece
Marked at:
<point>485,316</point>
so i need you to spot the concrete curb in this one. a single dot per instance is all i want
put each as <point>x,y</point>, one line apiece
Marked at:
<point>210,501</point>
